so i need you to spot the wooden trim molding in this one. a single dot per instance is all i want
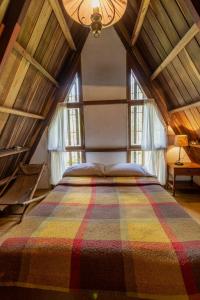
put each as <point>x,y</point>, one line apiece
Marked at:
<point>182,108</point>
<point>21,113</point>
<point>62,22</point>
<point>102,149</point>
<point>176,50</point>
<point>23,52</point>
<point>105,102</point>
<point>106,149</point>
<point>95,149</point>
<point>140,20</point>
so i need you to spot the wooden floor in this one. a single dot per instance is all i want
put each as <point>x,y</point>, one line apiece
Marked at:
<point>189,199</point>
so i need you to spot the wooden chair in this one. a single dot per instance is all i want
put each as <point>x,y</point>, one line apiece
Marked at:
<point>20,194</point>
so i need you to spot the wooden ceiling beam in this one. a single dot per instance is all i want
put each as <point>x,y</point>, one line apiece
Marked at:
<point>140,20</point>
<point>196,5</point>
<point>177,49</point>
<point>12,21</point>
<point>62,22</point>
<point>192,65</point>
<point>3,7</point>
<point>23,52</point>
<point>182,108</point>
<point>20,113</point>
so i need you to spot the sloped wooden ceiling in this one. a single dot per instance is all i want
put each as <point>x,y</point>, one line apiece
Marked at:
<point>167,25</point>
<point>37,64</point>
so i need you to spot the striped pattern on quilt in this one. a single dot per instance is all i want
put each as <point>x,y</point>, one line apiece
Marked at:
<point>89,236</point>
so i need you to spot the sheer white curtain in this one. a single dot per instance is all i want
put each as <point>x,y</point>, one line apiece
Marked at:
<point>154,141</point>
<point>57,141</point>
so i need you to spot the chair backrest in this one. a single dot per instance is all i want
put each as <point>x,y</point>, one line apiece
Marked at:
<point>25,184</point>
<point>30,169</point>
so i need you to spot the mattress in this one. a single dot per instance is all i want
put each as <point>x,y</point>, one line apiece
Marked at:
<point>103,238</point>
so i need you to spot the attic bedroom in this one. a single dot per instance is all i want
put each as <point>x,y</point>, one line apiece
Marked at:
<point>100,149</point>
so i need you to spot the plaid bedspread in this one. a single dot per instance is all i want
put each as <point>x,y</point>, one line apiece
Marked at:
<point>105,241</point>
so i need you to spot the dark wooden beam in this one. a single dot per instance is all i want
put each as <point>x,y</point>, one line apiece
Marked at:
<point>12,24</point>
<point>196,4</point>
<point>105,102</point>
<point>96,149</point>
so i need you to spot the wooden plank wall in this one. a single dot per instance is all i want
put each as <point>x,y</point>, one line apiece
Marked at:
<point>165,24</point>
<point>23,86</point>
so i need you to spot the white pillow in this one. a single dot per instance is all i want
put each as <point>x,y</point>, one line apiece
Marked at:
<point>85,169</point>
<point>125,169</point>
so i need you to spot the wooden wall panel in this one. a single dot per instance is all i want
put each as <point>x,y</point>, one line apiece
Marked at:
<point>25,88</point>
<point>166,22</point>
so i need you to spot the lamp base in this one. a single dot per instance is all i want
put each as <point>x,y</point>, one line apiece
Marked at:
<point>178,163</point>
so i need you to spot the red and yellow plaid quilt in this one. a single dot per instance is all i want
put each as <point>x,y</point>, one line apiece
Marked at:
<point>120,237</point>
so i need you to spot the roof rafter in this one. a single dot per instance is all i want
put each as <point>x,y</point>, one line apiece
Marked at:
<point>177,49</point>
<point>182,108</point>
<point>34,62</point>
<point>21,113</point>
<point>140,20</point>
<point>63,24</point>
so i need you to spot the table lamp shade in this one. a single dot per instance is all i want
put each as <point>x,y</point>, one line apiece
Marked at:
<point>181,140</point>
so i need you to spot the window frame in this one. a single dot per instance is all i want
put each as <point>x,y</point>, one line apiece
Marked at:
<point>132,103</point>
<point>79,105</point>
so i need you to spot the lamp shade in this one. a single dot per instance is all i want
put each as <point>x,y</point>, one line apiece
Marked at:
<point>181,140</point>
<point>82,10</point>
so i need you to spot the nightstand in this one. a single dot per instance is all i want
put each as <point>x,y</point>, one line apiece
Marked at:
<point>188,169</point>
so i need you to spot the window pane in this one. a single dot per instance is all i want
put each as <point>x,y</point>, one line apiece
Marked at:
<point>74,128</point>
<point>136,91</point>
<point>73,95</point>
<point>136,124</point>
<point>137,157</point>
<point>73,158</point>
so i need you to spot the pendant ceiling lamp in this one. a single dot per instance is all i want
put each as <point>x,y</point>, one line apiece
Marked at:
<point>96,14</point>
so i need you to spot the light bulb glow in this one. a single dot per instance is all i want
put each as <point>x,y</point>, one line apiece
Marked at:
<point>95,4</point>
<point>96,14</point>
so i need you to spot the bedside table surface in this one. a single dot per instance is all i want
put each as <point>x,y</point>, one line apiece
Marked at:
<point>190,165</point>
<point>187,169</point>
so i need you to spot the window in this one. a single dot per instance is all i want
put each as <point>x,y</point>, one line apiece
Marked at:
<point>75,145</point>
<point>65,136</point>
<point>136,102</point>
<point>136,91</point>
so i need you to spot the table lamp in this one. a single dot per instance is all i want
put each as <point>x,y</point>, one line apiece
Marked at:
<point>180,141</point>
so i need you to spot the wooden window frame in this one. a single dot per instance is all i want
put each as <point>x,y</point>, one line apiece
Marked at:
<point>131,103</point>
<point>78,105</point>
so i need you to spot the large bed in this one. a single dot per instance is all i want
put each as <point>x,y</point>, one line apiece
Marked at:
<point>103,238</point>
